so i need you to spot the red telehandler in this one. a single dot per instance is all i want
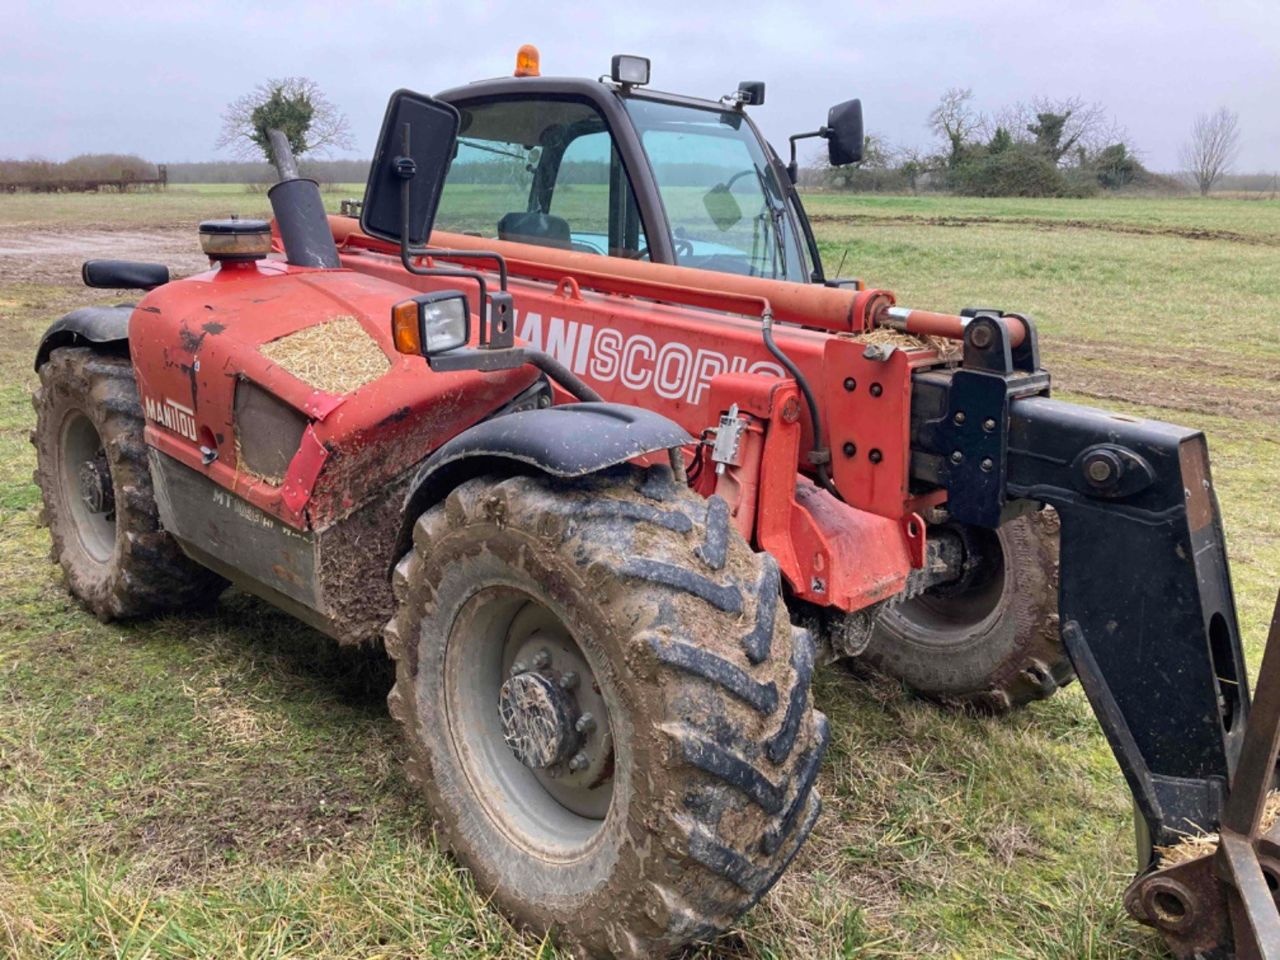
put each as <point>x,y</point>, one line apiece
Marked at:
<point>583,461</point>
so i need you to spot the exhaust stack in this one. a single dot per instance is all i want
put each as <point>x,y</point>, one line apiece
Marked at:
<point>299,212</point>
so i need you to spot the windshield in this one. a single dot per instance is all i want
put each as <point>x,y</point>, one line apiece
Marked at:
<point>722,200</point>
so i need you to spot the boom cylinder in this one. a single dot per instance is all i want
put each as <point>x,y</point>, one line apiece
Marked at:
<point>926,323</point>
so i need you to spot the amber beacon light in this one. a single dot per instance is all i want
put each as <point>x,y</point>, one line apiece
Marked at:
<point>527,61</point>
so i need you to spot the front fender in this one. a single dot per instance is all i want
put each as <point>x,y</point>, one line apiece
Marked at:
<point>101,325</point>
<point>571,440</point>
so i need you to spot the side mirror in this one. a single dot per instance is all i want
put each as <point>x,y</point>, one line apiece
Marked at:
<point>751,93</point>
<point>409,165</point>
<point>844,133</point>
<point>722,207</point>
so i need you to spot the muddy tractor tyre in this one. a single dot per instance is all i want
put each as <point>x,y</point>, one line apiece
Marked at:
<point>605,705</point>
<point>994,645</point>
<point>91,467</point>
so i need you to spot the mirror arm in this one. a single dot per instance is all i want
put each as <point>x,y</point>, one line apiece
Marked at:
<point>478,278</point>
<point>407,252</point>
<point>407,169</point>
<point>793,169</point>
<point>497,258</point>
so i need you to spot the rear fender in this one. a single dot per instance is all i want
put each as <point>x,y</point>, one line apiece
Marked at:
<point>572,440</point>
<point>98,325</point>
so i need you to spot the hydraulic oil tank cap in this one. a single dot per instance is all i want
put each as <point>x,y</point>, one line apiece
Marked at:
<point>235,239</point>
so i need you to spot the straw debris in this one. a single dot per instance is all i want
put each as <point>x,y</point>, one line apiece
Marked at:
<point>336,357</point>
<point>1201,845</point>
<point>884,336</point>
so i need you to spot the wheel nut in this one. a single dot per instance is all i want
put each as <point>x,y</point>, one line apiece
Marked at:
<point>568,680</point>
<point>579,762</point>
<point>586,723</point>
<point>988,424</point>
<point>957,456</point>
<point>959,418</point>
<point>986,464</point>
<point>542,659</point>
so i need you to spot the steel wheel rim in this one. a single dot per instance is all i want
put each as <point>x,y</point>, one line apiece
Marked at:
<point>82,464</point>
<point>493,631</point>
<point>943,620</point>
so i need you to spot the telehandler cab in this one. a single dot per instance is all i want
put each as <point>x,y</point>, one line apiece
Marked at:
<point>582,461</point>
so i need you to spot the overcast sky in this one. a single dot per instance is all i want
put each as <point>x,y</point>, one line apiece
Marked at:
<point>153,78</point>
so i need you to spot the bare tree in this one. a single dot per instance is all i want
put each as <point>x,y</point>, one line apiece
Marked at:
<point>913,163</point>
<point>295,105</point>
<point>1215,140</point>
<point>1060,127</point>
<point>956,120</point>
<point>1085,126</point>
<point>877,152</point>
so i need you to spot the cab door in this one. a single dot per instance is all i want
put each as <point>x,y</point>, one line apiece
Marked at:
<point>544,171</point>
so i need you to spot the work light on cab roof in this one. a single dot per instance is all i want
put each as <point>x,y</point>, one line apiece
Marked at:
<point>628,70</point>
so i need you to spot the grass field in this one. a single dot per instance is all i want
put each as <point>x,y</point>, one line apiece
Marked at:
<point>225,785</point>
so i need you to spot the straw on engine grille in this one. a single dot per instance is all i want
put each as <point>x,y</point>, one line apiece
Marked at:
<point>336,357</point>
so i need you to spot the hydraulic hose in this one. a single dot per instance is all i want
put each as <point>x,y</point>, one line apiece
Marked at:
<point>819,456</point>
<point>562,375</point>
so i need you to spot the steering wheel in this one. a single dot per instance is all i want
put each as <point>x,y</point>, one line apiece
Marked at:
<point>683,248</point>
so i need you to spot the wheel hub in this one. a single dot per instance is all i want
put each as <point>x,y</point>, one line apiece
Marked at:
<point>554,719</point>
<point>538,718</point>
<point>94,480</point>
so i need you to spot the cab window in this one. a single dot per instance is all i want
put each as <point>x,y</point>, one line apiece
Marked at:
<point>543,172</point>
<point>726,209</point>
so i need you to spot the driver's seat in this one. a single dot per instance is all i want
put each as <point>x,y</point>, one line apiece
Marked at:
<point>544,229</point>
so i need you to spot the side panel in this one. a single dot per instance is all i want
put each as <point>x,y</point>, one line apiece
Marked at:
<point>229,529</point>
<point>335,579</point>
<point>664,358</point>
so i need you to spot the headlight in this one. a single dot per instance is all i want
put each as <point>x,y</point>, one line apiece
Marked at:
<point>445,323</point>
<point>431,323</point>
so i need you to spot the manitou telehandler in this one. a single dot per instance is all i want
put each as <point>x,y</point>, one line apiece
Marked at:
<point>582,461</point>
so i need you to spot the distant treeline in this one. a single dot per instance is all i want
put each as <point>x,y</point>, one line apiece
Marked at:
<point>508,171</point>
<point>233,171</point>
<point>1044,147</point>
<point>1001,166</point>
<point>119,171</point>
<point>1251,182</point>
<point>82,172</point>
